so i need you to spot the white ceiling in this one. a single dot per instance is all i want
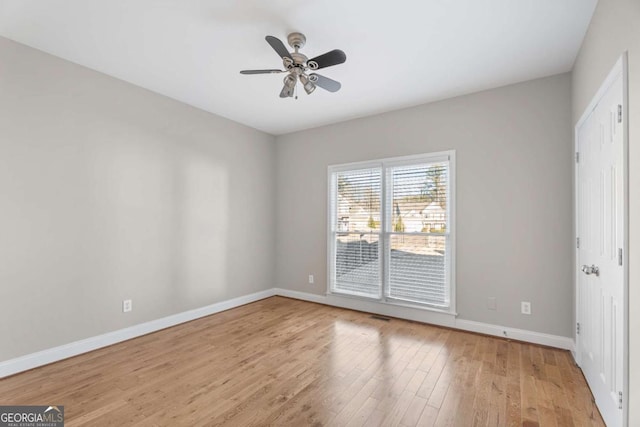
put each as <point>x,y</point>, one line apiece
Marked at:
<point>399,53</point>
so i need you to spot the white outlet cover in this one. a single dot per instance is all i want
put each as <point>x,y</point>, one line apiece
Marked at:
<point>525,307</point>
<point>311,279</point>
<point>127,306</point>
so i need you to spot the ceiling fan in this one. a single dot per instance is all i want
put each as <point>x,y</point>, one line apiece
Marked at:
<point>297,66</point>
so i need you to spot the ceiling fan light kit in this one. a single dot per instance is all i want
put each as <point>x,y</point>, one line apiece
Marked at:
<point>307,84</point>
<point>298,65</point>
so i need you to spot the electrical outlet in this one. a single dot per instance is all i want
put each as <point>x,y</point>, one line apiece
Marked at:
<point>525,307</point>
<point>491,303</point>
<point>311,279</point>
<point>127,306</point>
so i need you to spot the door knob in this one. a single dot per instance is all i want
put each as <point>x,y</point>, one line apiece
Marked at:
<point>592,269</point>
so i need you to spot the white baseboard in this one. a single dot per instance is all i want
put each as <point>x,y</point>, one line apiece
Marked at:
<point>33,360</point>
<point>557,341</point>
<point>435,318</point>
<point>401,312</point>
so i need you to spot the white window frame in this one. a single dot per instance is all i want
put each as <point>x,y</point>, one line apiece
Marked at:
<point>385,217</point>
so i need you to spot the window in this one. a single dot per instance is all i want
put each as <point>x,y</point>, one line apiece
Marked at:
<point>391,230</point>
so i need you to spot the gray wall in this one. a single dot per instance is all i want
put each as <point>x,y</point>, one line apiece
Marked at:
<point>108,191</point>
<point>514,196</point>
<point>615,28</point>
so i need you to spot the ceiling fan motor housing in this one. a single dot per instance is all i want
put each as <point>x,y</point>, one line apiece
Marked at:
<point>299,59</point>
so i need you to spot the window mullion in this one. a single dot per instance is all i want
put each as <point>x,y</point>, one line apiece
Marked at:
<point>383,233</point>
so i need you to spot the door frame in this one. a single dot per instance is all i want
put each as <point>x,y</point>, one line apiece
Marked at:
<point>619,69</point>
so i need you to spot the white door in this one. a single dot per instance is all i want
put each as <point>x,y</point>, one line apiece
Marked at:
<point>600,218</point>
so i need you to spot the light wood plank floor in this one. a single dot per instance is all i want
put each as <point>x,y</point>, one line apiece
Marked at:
<point>286,362</point>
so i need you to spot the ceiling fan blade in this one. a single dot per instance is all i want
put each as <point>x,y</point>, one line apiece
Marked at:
<point>325,82</point>
<point>278,46</point>
<point>286,92</point>
<point>261,71</point>
<point>328,59</point>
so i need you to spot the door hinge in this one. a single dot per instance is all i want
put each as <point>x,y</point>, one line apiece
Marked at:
<point>578,242</point>
<point>619,400</point>
<point>619,256</point>
<point>577,157</point>
<point>578,328</point>
<point>619,113</point>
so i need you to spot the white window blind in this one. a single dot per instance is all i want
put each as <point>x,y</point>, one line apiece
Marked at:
<point>356,199</point>
<point>418,236</point>
<point>391,230</point>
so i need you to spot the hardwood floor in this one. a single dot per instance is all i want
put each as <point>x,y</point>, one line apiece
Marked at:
<point>286,362</point>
